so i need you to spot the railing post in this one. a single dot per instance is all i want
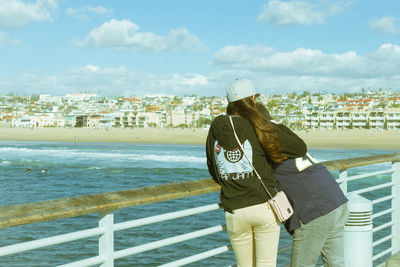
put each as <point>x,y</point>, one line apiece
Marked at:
<point>106,240</point>
<point>396,207</point>
<point>343,178</point>
<point>358,233</point>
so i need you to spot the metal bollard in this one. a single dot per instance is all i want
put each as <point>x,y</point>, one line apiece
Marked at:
<point>358,233</point>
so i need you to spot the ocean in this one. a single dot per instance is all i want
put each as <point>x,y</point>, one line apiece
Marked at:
<point>60,170</point>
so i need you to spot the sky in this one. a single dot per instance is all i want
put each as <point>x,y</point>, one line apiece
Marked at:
<point>180,47</point>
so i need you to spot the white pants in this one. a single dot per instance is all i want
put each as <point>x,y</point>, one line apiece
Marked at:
<point>254,235</point>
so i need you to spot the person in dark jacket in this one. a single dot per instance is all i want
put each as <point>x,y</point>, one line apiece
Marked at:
<point>320,207</point>
<point>252,227</point>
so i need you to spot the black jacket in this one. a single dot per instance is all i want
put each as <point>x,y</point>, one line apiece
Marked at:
<point>310,187</point>
<point>229,167</point>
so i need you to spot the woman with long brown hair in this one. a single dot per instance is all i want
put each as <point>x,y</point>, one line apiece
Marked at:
<point>252,227</point>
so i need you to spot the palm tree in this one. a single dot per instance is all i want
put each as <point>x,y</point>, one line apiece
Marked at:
<point>272,106</point>
<point>288,109</point>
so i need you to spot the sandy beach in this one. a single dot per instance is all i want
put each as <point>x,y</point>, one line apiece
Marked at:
<point>357,139</point>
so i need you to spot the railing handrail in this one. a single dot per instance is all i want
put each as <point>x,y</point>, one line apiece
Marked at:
<point>344,164</point>
<point>48,210</point>
<point>34,212</point>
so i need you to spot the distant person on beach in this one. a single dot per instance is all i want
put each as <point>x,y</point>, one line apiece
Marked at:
<point>252,227</point>
<point>320,207</point>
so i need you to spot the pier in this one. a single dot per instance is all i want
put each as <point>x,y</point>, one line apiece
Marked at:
<point>384,195</point>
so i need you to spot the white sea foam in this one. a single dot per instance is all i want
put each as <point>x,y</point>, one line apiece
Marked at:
<point>93,155</point>
<point>96,168</point>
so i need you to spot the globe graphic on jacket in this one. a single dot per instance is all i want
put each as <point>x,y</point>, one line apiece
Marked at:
<point>233,156</point>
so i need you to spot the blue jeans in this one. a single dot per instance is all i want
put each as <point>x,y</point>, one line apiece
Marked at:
<point>322,236</point>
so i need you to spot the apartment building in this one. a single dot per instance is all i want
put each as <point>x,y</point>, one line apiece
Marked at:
<point>39,120</point>
<point>106,120</point>
<point>376,119</point>
<point>393,118</point>
<point>327,119</point>
<point>93,121</point>
<point>353,119</point>
<point>179,117</point>
<point>311,119</point>
<point>149,119</point>
<point>359,119</point>
<point>22,122</point>
<point>343,119</point>
<point>288,119</point>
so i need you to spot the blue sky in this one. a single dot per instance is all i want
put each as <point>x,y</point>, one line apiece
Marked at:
<point>178,47</point>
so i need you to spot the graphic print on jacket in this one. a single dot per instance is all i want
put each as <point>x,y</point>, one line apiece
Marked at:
<point>232,164</point>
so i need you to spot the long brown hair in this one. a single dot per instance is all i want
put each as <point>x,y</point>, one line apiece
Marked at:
<point>246,107</point>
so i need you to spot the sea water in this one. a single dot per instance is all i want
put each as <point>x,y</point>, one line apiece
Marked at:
<point>38,171</point>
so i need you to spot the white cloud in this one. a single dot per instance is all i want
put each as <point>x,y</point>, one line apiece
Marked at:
<point>5,40</point>
<point>106,81</point>
<point>191,80</point>
<point>385,25</point>
<point>271,70</point>
<point>307,68</point>
<point>92,68</point>
<point>86,13</point>
<point>125,35</point>
<point>17,13</point>
<point>310,62</point>
<point>280,13</point>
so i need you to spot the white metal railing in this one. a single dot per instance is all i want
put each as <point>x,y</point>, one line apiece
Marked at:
<point>106,230</point>
<point>392,212</point>
<point>106,226</point>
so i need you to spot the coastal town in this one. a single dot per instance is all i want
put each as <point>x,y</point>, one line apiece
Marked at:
<point>372,109</point>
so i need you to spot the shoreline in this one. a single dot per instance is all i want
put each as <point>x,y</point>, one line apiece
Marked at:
<point>316,138</point>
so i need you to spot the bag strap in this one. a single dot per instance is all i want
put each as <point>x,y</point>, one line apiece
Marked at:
<point>241,147</point>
